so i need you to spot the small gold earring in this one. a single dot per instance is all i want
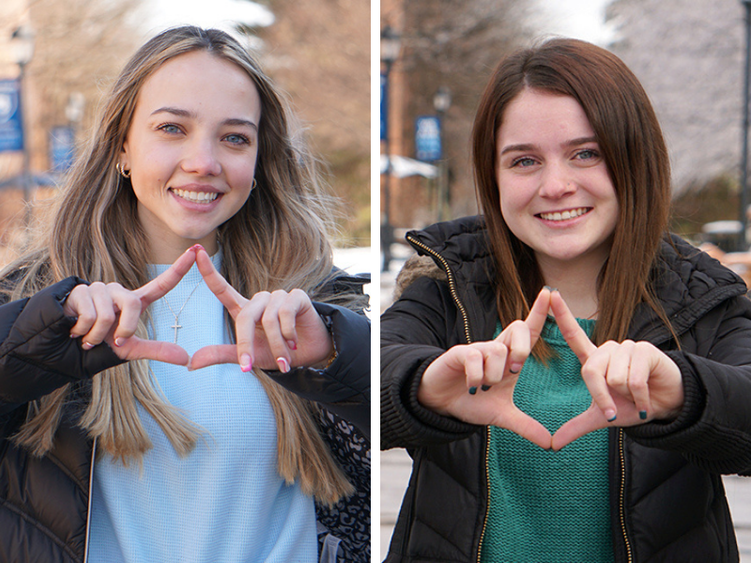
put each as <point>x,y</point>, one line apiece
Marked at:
<point>253,185</point>
<point>121,170</point>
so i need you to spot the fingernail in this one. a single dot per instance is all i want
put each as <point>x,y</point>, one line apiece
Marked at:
<point>551,289</point>
<point>610,415</point>
<point>643,415</point>
<point>197,247</point>
<point>292,344</point>
<point>485,387</point>
<point>246,363</point>
<point>515,368</point>
<point>87,346</point>
<point>74,336</point>
<point>472,390</point>
<point>283,364</point>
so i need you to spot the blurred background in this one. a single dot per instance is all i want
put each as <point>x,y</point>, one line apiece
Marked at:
<point>58,57</point>
<point>436,57</point>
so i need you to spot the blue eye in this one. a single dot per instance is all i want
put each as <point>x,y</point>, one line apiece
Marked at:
<point>587,154</point>
<point>237,139</point>
<point>169,128</point>
<point>523,162</point>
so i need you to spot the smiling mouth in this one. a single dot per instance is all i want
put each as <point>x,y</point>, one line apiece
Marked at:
<point>195,197</point>
<point>564,215</point>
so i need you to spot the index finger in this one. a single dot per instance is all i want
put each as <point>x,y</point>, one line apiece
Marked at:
<point>167,280</point>
<point>538,314</point>
<point>227,295</point>
<point>574,334</point>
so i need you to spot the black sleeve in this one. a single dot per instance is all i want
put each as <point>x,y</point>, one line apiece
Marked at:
<point>344,386</point>
<point>415,331</point>
<point>37,354</point>
<point>713,429</point>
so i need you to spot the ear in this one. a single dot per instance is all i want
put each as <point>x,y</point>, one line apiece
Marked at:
<point>124,160</point>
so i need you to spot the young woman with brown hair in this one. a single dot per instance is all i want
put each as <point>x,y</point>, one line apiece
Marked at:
<point>127,432</point>
<point>590,422</point>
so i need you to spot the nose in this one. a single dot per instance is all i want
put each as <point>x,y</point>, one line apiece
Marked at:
<point>555,182</point>
<point>201,158</point>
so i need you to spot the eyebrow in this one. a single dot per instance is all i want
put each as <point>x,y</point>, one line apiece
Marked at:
<point>529,146</point>
<point>234,121</point>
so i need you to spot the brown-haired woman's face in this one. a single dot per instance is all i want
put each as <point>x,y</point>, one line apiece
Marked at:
<point>555,191</point>
<point>191,148</point>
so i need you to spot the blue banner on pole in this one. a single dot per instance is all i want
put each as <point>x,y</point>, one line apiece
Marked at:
<point>11,120</point>
<point>384,107</point>
<point>62,148</point>
<point>428,138</point>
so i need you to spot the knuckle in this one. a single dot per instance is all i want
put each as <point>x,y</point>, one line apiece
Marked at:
<point>86,318</point>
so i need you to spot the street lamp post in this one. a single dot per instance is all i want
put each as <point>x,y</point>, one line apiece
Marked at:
<point>441,103</point>
<point>742,242</point>
<point>390,48</point>
<point>22,42</point>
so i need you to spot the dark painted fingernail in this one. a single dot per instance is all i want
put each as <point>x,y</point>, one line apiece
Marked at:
<point>485,387</point>
<point>643,415</point>
<point>472,390</point>
<point>551,289</point>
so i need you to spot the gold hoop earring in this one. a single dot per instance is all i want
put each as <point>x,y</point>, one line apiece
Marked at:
<point>121,170</point>
<point>253,185</point>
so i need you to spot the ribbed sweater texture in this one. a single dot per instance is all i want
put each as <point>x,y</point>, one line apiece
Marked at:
<point>546,506</point>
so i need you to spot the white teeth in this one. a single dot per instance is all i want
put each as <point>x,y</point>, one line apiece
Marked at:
<point>196,197</point>
<point>562,216</point>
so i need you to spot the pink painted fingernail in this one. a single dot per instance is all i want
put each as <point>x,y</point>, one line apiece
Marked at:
<point>197,247</point>
<point>292,344</point>
<point>246,363</point>
<point>283,364</point>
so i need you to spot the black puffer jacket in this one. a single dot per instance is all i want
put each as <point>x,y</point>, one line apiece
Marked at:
<point>44,501</point>
<point>666,495</point>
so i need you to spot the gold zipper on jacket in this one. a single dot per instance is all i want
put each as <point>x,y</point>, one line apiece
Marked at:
<point>468,337</point>
<point>487,488</point>
<point>452,283</point>
<point>621,496</point>
<point>88,510</point>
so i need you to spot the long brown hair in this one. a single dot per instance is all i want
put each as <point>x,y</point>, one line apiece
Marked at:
<point>278,240</point>
<point>634,150</point>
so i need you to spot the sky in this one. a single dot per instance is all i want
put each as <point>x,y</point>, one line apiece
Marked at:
<point>161,14</point>
<point>580,19</point>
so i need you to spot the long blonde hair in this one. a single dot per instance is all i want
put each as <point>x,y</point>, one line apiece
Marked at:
<point>278,240</point>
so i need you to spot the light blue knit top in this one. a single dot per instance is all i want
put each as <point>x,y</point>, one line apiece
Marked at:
<point>223,502</point>
<point>546,506</point>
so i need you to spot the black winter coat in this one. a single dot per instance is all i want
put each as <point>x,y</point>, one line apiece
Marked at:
<point>44,501</point>
<point>666,494</point>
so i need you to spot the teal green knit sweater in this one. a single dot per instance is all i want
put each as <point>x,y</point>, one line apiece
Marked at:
<point>549,507</point>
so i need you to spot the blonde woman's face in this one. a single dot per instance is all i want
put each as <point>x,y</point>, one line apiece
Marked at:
<point>191,149</point>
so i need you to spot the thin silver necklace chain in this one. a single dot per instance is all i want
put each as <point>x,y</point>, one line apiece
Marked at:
<point>177,326</point>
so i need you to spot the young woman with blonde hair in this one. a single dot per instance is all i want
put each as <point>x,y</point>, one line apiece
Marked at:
<point>127,432</point>
<point>593,421</point>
